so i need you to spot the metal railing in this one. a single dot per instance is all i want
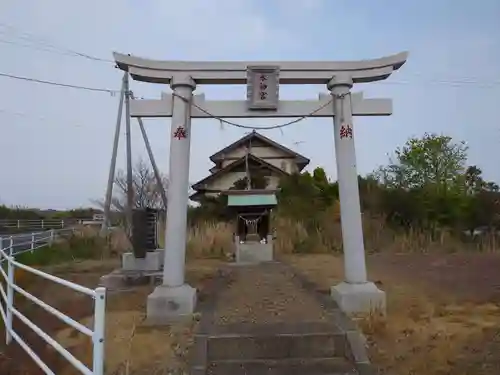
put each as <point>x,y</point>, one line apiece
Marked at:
<point>8,311</point>
<point>32,224</point>
<point>23,242</point>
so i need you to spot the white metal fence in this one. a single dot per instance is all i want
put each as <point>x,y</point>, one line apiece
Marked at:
<point>23,242</point>
<point>36,224</point>
<point>8,311</point>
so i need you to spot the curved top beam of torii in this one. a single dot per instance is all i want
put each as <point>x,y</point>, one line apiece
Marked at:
<point>228,72</point>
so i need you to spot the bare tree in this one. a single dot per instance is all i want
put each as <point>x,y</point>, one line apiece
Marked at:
<point>146,193</point>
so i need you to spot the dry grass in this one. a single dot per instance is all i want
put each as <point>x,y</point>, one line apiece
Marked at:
<point>425,331</point>
<point>326,237</point>
<point>212,240</point>
<point>133,348</point>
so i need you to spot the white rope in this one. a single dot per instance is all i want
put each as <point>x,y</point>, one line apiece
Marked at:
<point>252,223</point>
<point>280,126</point>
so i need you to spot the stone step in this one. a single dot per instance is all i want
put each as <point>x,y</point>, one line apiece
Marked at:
<point>292,366</point>
<point>276,346</point>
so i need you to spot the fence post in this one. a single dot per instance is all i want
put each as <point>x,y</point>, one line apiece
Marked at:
<point>43,226</point>
<point>51,239</point>
<point>62,223</point>
<point>99,330</point>
<point>10,292</point>
<point>32,242</point>
<point>18,224</point>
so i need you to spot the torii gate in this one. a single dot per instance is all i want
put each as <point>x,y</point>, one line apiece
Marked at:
<point>174,298</point>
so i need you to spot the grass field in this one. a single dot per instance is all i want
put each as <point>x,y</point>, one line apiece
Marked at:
<point>443,309</point>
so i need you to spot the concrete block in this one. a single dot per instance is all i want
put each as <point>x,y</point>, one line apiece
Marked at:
<point>120,279</point>
<point>113,280</point>
<point>254,252</point>
<point>161,253</point>
<point>359,298</point>
<point>169,304</point>
<point>152,262</point>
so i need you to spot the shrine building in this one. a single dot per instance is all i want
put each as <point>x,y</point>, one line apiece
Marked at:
<point>253,154</point>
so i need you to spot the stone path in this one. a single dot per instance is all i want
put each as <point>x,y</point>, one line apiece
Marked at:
<point>268,319</point>
<point>268,293</point>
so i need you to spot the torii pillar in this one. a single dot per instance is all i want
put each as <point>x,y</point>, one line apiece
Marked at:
<point>176,299</point>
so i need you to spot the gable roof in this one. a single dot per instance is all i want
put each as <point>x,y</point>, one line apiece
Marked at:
<point>301,160</point>
<point>237,163</point>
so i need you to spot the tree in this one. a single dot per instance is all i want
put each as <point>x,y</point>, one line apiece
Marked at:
<point>146,191</point>
<point>483,201</point>
<point>425,184</point>
<point>431,160</point>
<point>302,195</point>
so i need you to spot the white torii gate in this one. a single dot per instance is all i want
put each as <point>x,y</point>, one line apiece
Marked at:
<point>174,298</point>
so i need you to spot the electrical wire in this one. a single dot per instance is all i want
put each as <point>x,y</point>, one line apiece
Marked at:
<point>53,83</point>
<point>43,44</point>
<point>459,83</point>
<point>222,121</point>
<point>66,122</point>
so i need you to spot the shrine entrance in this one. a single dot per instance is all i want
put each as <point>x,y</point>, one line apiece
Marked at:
<point>253,237</point>
<point>263,79</point>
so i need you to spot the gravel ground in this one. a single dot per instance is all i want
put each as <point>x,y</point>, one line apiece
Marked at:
<point>266,294</point>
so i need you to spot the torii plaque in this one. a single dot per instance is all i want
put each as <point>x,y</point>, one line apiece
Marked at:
<point>175,298</point>
<point>263,87</point>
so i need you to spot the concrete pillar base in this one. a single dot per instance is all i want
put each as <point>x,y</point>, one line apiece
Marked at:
<point>170,304</point>
<point>152,262</point>
<point>359,298</point>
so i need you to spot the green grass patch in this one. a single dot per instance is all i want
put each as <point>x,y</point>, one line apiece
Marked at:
<point>73,248</point>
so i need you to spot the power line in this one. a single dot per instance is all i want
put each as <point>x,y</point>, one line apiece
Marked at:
<point>44,44</point>
<point>457,83</point>
<point>28,79</point>
<point>41,118</point>
<point>44,49</point>
<point>53,51</point>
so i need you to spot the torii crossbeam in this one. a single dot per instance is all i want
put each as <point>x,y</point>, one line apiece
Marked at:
<point>238,108</point>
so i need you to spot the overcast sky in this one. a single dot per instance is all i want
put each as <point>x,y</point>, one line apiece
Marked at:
<point>55,143</point>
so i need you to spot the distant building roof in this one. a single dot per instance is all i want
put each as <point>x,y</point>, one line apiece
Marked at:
<point>301,160</point>
<point>237,163</point>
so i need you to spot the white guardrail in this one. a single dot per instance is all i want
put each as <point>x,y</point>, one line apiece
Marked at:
<point>23,242</point>
<point>39,223</point>
<point>8,311</point>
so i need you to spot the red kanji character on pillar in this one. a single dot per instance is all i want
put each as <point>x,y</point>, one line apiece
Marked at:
<point>180,133</point>
<point>345,131</point>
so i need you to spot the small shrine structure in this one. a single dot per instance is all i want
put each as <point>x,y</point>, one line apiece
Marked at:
<point>253,236</point>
